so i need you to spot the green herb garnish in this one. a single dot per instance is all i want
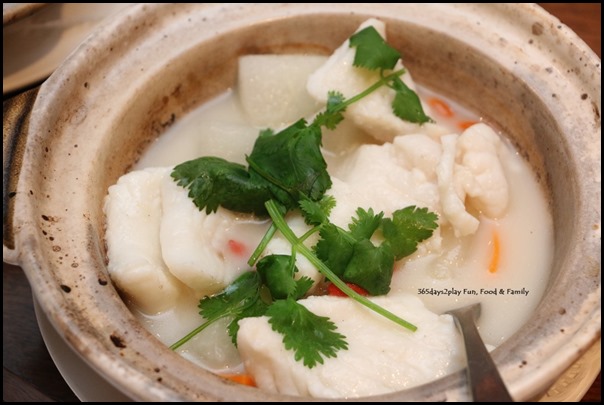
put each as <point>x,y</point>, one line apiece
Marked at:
<point>277,272</point>
<point>407,228</point>
<point>286,171</point>
<point>299,247</point>
<point>310,336</point>
<point>372,52</point>
<point>406,104</point>
<point>288,166</point>
<point>238,300</point>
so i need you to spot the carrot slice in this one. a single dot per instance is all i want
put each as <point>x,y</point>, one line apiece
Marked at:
<point>494,264</point>
<point>440,107</point>
<point>466,124</point>
<point>336,292</point>
<point>236,247</point>
<point>244,379</point>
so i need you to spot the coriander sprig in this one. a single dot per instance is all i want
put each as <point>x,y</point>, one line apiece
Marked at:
<point>286,171</point>
<point>287,232</point>
<point>289,166</point>
<point>240,298</point>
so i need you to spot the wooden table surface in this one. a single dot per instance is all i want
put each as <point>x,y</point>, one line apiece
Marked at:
<point>29,373</point>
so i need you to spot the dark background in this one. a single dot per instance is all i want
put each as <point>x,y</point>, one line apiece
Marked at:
<point>29,373</point>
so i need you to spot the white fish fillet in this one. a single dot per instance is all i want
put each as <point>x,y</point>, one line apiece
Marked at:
<point>452,198</point>
<point>480,171</point>
<point>133,214</point>
<point>373,113</point>
<point>195,245</point>
<point>381,356</point>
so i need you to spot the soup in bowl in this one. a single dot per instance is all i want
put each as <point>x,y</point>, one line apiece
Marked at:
<point>180,56</point>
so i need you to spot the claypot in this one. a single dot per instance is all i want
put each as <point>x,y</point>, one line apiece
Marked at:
<point>140,73</point>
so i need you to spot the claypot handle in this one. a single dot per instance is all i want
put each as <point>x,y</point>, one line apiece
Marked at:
<point>15,122</point>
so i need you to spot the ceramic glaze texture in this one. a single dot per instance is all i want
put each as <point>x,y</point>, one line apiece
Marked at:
<point>515,64</point>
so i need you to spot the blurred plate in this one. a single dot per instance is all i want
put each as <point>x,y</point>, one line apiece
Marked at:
<point>85,383</point>
<point>33,47</point>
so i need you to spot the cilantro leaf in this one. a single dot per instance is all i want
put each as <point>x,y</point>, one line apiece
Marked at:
<point>335,248</point>
<point>317,212</point>
<point>407,228</point>
<point>292,163</point>
<point>237,298</point>
<point>277,272</point>
<point>353,257</point>
<point>334,110</point>
<point>238,295</point>
<point>372,51</point>
<point>287,166</point>
<point>310,336</point>
<point>370,267</point>
<point>214,182</point>
<point>303,284</point>
<point>406,104</point>
<point>334,100</point>
<point>356,260</point>
<point>365,224</point>
<point>279,222</point>
<point>257,308</point>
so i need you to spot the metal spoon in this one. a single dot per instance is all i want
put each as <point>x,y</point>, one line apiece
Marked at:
<point>485,382</point>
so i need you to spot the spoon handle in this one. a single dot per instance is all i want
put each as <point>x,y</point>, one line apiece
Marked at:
<point>485,382</point>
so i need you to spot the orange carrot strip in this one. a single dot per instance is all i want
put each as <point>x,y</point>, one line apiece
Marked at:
<point>237,248</point>
<point>466,124</point>
<point>494,264</point>
<point>440,107</point>
<point>336,292</point>
<point>244,379</point>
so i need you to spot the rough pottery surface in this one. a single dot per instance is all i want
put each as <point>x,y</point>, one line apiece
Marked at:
<point>143,71</point>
